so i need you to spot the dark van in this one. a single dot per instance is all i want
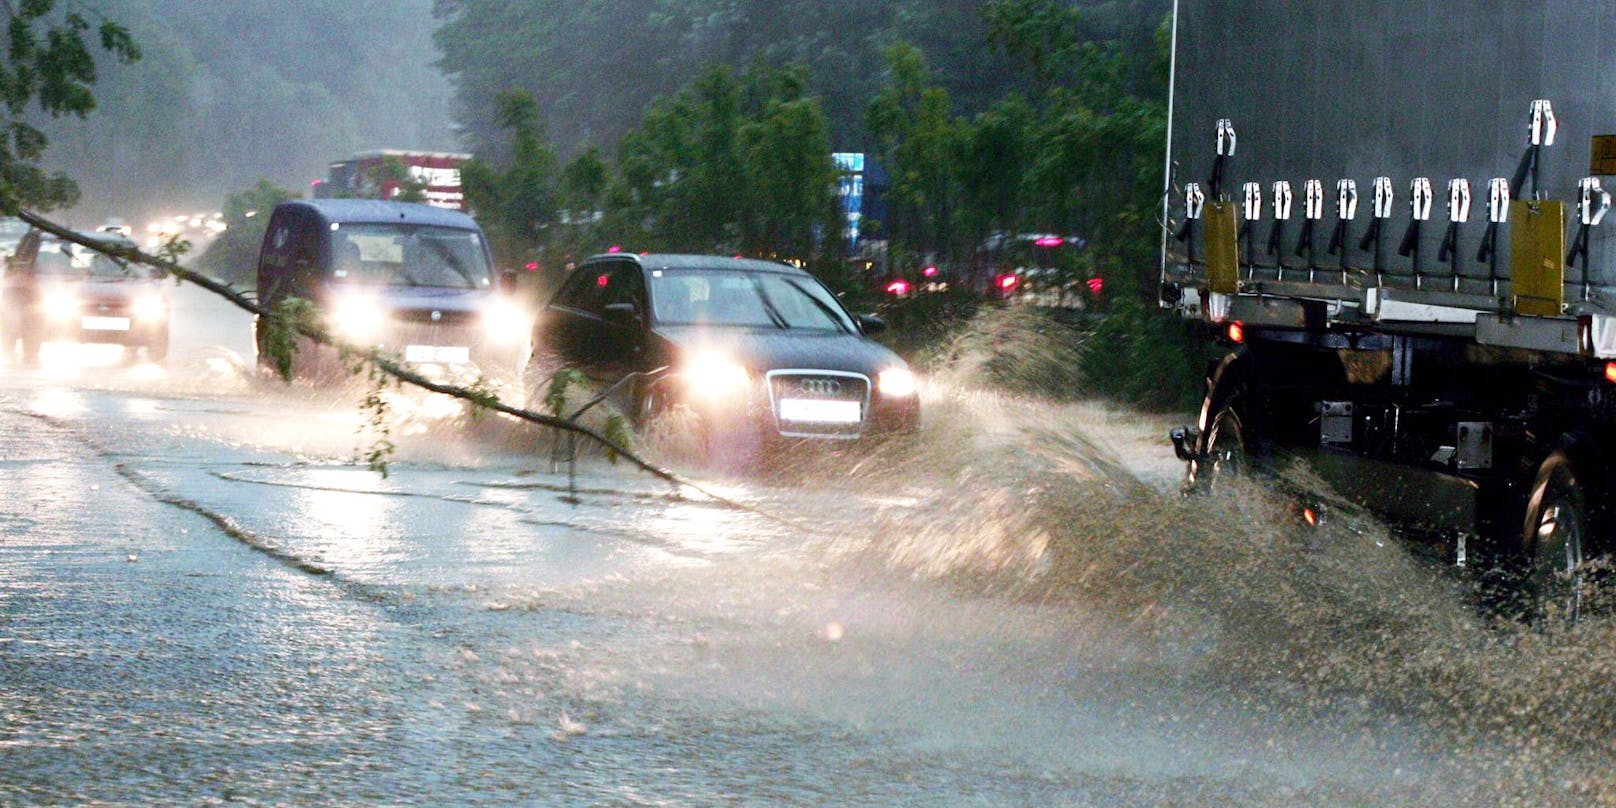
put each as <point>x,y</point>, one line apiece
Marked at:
<point>412,279</point>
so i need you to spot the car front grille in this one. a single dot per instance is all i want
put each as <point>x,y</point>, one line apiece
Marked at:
<point>105,308</point>
<point>435,317</point>
<point>819,404</point>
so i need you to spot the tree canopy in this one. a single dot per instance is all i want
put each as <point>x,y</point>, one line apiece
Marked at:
<point>49,68</point>
<point>595,65</point>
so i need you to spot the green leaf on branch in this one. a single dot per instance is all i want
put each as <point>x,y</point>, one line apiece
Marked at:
<point>48,64</point>
<point>482,397</point>
<point>555,395</point>
<point>379,423</point>
<point>278,331</point>
<point>620,432</point>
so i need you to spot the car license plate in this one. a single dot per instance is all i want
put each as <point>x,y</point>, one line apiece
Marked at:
<point>105,323</point>
<point>820,411</point>
<point>445,354</point>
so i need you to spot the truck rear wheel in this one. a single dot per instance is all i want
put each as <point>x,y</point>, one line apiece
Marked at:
<point>1223,452</point>
<point>1553,542</point>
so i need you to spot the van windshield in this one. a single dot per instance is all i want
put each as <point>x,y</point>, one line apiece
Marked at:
<point>409,255</point>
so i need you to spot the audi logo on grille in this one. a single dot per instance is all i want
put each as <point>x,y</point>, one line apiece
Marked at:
<point>820,387</point>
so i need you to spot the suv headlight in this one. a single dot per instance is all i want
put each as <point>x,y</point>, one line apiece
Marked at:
<point>896,382</point>
<point>713,376</point>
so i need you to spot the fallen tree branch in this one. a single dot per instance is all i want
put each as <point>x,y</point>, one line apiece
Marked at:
<point>386,364</point>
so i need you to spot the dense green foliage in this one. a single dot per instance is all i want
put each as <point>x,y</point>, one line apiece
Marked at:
<point>595,65</point>
<point>700,125</point>
<point>732,164</point>
<point>515,201</point>
<point>233,255</point>
<point>1062,135</point>
<point>49,67</point>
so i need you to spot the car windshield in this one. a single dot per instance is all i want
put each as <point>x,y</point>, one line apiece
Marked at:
<point>75,261</point>
<point>409,255</point>
<point>761,299</point>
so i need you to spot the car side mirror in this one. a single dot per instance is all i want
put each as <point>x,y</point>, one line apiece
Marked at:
<point>622,314</point>
<point>871,324</point>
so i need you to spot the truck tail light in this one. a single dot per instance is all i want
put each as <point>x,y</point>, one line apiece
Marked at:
<point>1237,333</point>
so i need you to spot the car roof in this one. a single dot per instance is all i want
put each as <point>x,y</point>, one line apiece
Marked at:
<point>719,263</point>
<point>376,211</point>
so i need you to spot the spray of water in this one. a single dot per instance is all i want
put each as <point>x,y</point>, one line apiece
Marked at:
<point>1011,493</point>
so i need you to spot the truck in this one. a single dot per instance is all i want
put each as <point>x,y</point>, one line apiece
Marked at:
<point>388,173</point>
<point>1388,216</point>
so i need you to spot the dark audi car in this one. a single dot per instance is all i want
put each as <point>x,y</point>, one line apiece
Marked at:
<point>56,290</point>
<point>745,342</point>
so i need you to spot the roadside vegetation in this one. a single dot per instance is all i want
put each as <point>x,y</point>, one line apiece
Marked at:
<point>1063,135</point>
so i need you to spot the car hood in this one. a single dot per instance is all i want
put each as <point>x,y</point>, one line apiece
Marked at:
<point>765,349</point>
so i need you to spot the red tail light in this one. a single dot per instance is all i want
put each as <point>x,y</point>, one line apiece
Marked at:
<point>1237,333</point>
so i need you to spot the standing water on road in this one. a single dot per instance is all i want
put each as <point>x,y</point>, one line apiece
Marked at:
<point>1012,607</point>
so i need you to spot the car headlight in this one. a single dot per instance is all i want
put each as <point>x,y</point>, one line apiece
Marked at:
<point>150,307</point>
<point>61,305</point>
<point>357,318</point>
<point>896,382</point>
<point>713,376</point>
<point>505,321</point>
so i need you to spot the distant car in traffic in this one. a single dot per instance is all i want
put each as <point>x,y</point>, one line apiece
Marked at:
<point>413,279</point>
<point>744,342</point>
<point>56,290</point>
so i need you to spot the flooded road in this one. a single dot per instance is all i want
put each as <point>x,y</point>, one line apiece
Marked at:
<point>205,598</point>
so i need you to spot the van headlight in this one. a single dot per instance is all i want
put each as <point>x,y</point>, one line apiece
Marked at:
<point>61,305</point>
<point>357,318</point>
<point>896,382</point>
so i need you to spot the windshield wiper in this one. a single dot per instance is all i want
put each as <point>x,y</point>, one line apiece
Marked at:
<point>835,316</point>
<point>768,306</point>
<point>449,261</point>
